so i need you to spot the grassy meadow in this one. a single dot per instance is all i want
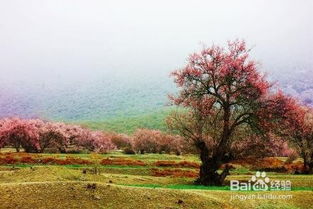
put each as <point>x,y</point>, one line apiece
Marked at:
<point>128,125</point>
<point>117,180</point>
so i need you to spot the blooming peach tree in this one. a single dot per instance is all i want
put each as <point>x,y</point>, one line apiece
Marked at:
<point>221,91</point>
<point>298,130</point>
<point>35,135</point>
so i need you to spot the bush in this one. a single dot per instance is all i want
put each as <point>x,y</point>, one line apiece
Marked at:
<point>146,141</point>
<point>153,141</point>
<point>51,150</point>
<point>292,157</point>
<point>121,141</point>
<point>129,151</point>
<point>77,150</point>
<point>101,142</point>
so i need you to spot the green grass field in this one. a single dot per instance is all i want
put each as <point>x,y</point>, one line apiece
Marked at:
<point>127,125</point>
<point>95,185</point>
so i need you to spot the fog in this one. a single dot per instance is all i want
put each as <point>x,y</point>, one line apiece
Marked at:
<point>54,45</point>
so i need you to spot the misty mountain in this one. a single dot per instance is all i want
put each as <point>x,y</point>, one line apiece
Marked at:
<point>108,96</point>
<point>101,98</point>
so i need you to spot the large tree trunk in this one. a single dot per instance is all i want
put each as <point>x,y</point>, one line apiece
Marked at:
<point>310,168</point>
<point>307,164</point>
<point>17,148</point>
<point>310,159</point>
<point>208,175</point>
<point>210,164</point>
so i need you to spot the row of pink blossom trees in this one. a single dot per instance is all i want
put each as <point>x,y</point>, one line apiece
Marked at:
<point>35,135</point>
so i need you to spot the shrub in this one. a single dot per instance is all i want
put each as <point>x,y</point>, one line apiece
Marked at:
<point>121,141</point>
<point>146,141</point>
<point>292,157</point>
<point>169,143</point>
<point>51,150</point>
<point>153,141</point>
<point>129,151</point>
<point>77,150</point>
<point>101,143</point>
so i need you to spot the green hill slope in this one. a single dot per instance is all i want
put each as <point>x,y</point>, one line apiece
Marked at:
<point>154,120</point>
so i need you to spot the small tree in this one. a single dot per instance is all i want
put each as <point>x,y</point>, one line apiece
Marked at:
<point>145,140</point>
<point>222,91</point>
<point>101,142</point>
<point>20,133</point>
<point>298,129</point>
<point>153,141</point>
<point>305,145</point>
<point>121,141</point>
<point>51,136</point>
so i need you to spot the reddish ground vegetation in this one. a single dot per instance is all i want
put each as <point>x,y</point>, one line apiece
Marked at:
<point>294,167</point>
<point>269,164</point>
<point>174,173</point>
<point>10,159</point>
<point>66,161</point>
<point>122,161</point>
<point>27,160</point>
<point>265,162</point>
<point>181,164</point>
<point>15,154</point>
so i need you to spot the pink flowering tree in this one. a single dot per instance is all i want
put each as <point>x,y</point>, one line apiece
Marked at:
<point>101,142</point>
<point>34,135</point>
<point>146,141</point>
<point>51,135</point>
<point>298,130</point>
<point>20,133</point>
<point>154,141</point>
<point>121,141</point>
<point>221,91</point>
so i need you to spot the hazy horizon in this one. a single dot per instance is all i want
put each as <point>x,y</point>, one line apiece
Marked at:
<point>75,52</point>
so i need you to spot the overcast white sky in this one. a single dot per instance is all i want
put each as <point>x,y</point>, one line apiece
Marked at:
<point>65,40</point>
